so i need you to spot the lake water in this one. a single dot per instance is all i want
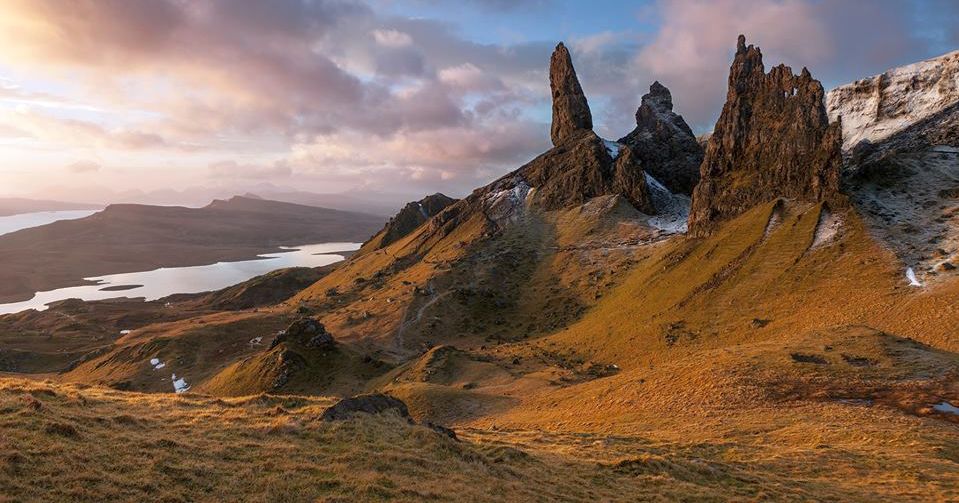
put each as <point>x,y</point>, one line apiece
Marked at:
<point>14,223</point>
<point>166,281</point>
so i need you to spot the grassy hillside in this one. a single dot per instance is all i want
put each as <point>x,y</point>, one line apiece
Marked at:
<point>61,442</point>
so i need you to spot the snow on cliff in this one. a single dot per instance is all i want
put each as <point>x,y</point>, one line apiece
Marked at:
<point>877,107</point>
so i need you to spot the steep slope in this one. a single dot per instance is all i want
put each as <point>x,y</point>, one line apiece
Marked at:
<point>772,139</point>
<point>128,238</point>
<point>901,136</point>
<point>875,109</point>
<point>412,215</point>
<point>664,143</point>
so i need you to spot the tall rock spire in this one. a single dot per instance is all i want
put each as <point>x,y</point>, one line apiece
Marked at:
<point>773,139</point>
<point>570,109</point>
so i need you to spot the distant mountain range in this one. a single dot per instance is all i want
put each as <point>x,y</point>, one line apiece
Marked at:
<point>131,237</point>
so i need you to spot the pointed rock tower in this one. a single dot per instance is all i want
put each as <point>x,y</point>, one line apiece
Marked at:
<point>773,139</point>
<point>570,109</point>
<point>664,143</point>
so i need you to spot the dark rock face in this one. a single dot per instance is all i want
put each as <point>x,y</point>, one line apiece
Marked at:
<point>306,332</point>
<point>664,143</point>
<point>584,168</point>
<point>366,404</point>
<point>773,139</point>
<point>412,216</point>
<point>570,109</point>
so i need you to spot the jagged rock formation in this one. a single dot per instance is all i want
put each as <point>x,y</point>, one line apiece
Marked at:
<point>412,215</point>
<point>664,143</point>
<point>570,110</point>
<point>580,167</point>
<point>876,108</point>
<point>773,139</point>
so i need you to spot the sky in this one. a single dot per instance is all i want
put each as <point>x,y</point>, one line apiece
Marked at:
<point>180,101</point>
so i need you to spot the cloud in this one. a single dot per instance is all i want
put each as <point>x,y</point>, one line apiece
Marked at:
<point>392,38</point>
<point>233,169</point>
<point>84,167</point>
<point>82,133</point>
<point>339,90</point>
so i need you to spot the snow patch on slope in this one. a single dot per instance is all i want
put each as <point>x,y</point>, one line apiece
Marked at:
<point>179,384</point>
<point>507,204</point>
<point>826,229</point>
<point>911,276</point>
<point>672,210</point>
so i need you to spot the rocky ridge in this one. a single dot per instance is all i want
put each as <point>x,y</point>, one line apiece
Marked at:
<point>773,139</point>
<point>413,215</point>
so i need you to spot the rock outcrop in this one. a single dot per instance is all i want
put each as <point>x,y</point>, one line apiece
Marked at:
<point>773,139</point>
<point>580,169</point>
<point>412,215</point>
<point>875,109</point>
<point>366,404</point>
<point>306,332</point>
<point>664,143</point>
<point>571,113</point>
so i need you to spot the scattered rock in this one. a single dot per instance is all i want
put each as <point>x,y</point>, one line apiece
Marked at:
<point>859,361</point>
<point>62,429</point>
<point>807,358</point>
<point>438,428</point>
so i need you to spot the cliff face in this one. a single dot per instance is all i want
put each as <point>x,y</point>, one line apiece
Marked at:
<point>875,109</point>
<point>664,143</point>
<point>773,139</point>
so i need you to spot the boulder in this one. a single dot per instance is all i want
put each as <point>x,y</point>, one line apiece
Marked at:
<point>366,404</point>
